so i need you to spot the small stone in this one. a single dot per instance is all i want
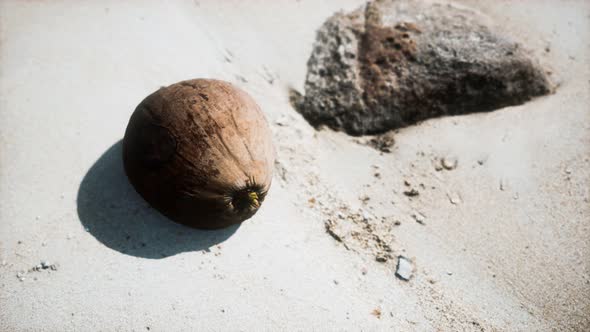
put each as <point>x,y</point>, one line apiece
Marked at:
<point>376,313</point>
<point>406,183</point>
<point>364,271</point>
<point>44,265</point>
<point>335,282</point>
<point>404,268</point>
<point>382,143</point>
<point>449,163</point>
<point>21,275</point>
<point>283,121</point>
<point>412,192</point>
<point>397,223</point>
<point>366,216</point>
<point>454,198</point>
<point>381,258</point>
<point>340,215</point>
<point>419,218</point>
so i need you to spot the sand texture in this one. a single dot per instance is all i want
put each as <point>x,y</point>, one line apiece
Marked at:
<point>487,215</point>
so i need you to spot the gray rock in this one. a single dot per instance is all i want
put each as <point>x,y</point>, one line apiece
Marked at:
<point>393,63</point>
<point>404,269</point>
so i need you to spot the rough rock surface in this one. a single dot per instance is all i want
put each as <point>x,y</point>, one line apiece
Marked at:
<point>393,63</point>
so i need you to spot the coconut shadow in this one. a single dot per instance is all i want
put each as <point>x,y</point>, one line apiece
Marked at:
<point>114,213</point>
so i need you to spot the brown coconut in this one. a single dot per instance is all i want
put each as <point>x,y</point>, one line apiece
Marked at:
<point>200,152</point>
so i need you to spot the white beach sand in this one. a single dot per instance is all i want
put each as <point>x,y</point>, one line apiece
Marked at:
<point>513,253</point>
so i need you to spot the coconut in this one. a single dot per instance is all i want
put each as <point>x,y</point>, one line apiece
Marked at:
<point>200,152</point>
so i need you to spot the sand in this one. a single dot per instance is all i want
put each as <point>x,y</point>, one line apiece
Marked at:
<point>504,239</point>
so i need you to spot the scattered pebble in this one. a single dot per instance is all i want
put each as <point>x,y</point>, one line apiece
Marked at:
<point>335,282</point>
<point>364,198</point>
<point>382,143</point>
<point>364,271</point>
<point>404,268</point>
<point>449,163</point>
<point>412,192</point>
<point>44,265</point>
<point>419,217</point>
<point>376,313</point>
<point>503,185</point>
<point>397,223</point>
<point>283,121</point>
<point>454,198</point>
<point>381,258</point>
